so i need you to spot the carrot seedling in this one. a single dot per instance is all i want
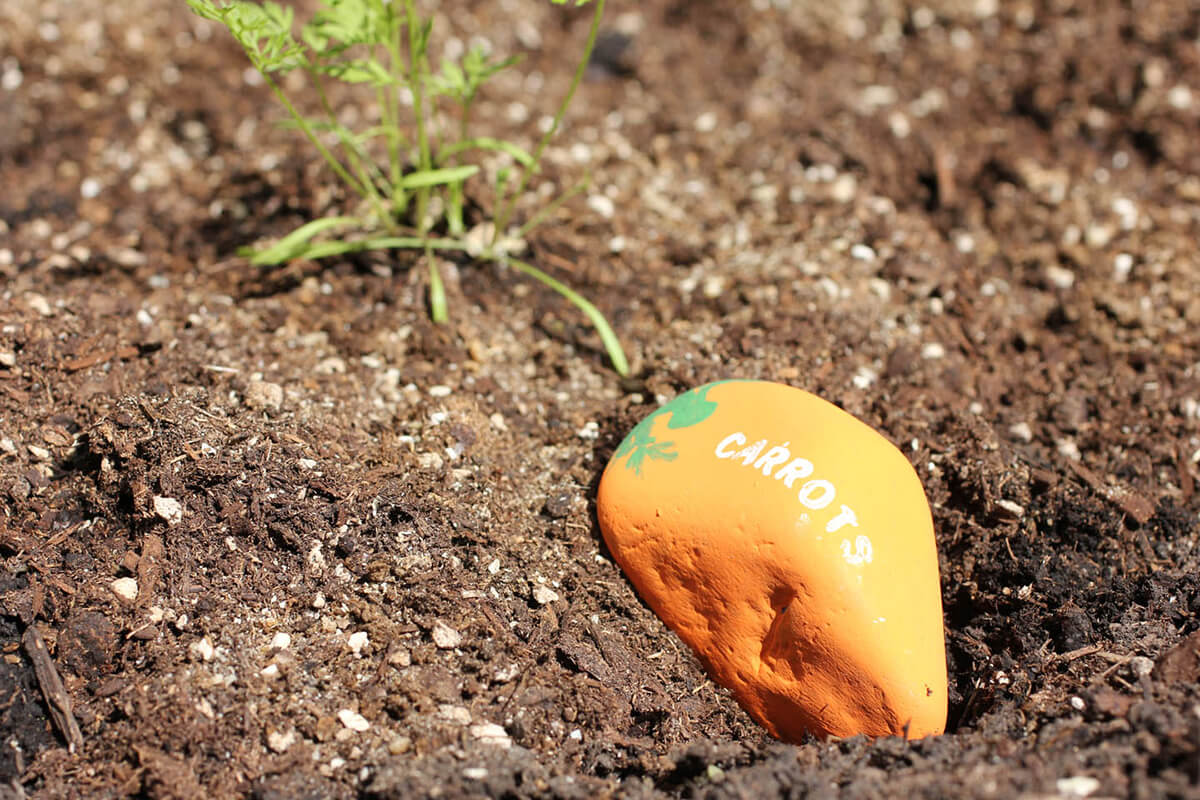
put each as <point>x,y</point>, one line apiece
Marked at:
<point>409,171</point>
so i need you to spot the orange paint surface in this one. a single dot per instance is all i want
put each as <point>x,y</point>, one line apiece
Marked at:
<point>791,547</point>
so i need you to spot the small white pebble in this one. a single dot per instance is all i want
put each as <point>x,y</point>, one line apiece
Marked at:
<point>1076,786</point>
<point>444,636</point>
<point>1141,666</point>
<point>1179,97</point>
<point>1021,432</point>
<point>1060,277</point>
<point>475,773</point>
<point>880,288</point>
<point>491,733</point>
<point>1098,235</point>
<point>202,649</point>
<point>494,567</point>
<point>544,595</point>
<point>602,205</point>
<point>864,377</point>
<point>439,391</point>
<point>517,113</point>
<point>1122,266</point>
<point>357,641</point>
<point>39,304</point>
<point>1068,448</point>
<point>876,96</point>
<point>862,252</point>
<point>280,742</point>
<point>1015,510</point>
<point>125,588</point>
<point>353,720</point>
<point>452,713</point>
<point>316,559</point>
<point>281,641</point>
<point>168,508</point>
<point>330,366</point>
<point>843,188</point>
<point>706,122</point>
<point>205,708</point>
<point>581,153</point>
<point>1077,703</point>
<point>933,351</point>
<point>1127,210</point>
<point>830,287</point>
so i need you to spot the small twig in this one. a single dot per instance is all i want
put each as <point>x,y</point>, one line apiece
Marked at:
<point>1086,650</point>
<point>1117,662</point>
<point>52,688</point>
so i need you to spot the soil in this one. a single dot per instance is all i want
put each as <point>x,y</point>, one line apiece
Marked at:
<point>971,224</point>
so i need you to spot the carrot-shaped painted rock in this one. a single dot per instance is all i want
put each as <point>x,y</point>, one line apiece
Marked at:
<point>791,547</point>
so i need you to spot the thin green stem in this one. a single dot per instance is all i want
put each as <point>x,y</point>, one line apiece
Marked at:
<point>550,208</point>
<point>505,213</point>
<point>350,148</point>
<point>455,195</point>
<point>465,121</point>
<point>302,123</point>
<point>391,130</point>
<point>418,60</point>
<point>612,345</point>
<point>416,81</point>
<point>397,67</point>
<point>341,247</point>
<point>437,290</point>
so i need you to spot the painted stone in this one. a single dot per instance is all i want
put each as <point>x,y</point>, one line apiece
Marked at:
<point>791,547</point>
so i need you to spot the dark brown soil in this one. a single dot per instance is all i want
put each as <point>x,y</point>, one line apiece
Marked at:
<point>973,224</point>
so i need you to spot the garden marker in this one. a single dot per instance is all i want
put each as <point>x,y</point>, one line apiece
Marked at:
<point>791,547</point>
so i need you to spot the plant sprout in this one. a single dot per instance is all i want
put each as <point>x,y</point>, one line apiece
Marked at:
<point>409,173</point>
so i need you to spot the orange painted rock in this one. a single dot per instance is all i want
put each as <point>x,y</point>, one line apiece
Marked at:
<point>791,546</point>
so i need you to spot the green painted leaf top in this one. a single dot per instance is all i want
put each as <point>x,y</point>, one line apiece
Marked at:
<point>690,408</point>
